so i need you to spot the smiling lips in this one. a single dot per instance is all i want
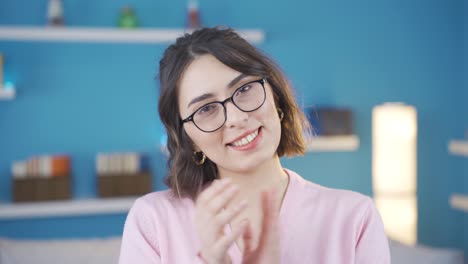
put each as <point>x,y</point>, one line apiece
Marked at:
<point>245,140</point>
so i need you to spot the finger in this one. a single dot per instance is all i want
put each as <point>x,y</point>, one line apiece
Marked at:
<point>247,236</point>
<point>204,218</point>
<point>268,205</point>
<point>228,215</point>
<point>215,224</point>
<point>222,199</point>
<point>223,244</point>
<point>270,215</point>
<point>216,187</point>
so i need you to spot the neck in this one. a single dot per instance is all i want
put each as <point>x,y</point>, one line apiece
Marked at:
<point>267,175</point>
<point>251,183</point>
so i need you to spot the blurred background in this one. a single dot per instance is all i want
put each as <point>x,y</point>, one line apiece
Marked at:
<point>84,98</point>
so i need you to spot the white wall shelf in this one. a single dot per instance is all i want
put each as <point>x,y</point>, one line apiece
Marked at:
<point>459,202</point>
<point>106,35</point>
<point>7,94</point>
<point>458,147</point>
<point>333,143</point>
<point>65,208</point>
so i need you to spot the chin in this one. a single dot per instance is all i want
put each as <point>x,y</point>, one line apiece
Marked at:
<point>245,164</point>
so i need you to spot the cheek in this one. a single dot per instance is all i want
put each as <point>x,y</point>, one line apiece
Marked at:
<point>193,134</point>
<point>203,141</point>
<point>271,117</point>
<point>270,104</point>
<point>269,109</point>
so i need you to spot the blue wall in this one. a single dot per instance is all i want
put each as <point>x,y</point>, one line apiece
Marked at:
<point>87,98</point>
<point>465,114</point>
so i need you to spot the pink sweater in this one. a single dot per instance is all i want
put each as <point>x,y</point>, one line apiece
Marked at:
<point>317,225</point>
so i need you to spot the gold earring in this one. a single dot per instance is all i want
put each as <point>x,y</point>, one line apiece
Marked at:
<point>280,113</point>
<point>198,161</point>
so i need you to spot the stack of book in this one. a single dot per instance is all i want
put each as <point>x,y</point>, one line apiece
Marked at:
<point>122,174</point>
<point>42,178</point>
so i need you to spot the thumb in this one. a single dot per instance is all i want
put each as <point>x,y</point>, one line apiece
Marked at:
<point>270,215</point>
<point>247,236</point>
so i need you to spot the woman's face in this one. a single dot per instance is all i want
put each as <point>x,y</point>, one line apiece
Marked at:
<point>247,139</point>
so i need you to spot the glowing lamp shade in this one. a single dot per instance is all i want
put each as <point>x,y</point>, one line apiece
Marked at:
<point>394,169</point>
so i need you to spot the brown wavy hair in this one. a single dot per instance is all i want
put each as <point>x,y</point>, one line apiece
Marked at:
<point>185,177</point>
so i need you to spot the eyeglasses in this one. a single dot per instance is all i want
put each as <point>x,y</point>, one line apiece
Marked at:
<point>212,116</point>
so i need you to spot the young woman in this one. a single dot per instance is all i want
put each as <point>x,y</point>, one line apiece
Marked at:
<point>230,115</point>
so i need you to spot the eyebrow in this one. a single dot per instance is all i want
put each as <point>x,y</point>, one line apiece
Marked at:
<point>209,95</point>
<point>236,80</point>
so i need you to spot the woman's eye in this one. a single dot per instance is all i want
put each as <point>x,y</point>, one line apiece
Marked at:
<point>244,89</point>
<point>206,109</point>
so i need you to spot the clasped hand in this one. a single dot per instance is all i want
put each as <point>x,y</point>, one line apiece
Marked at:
<point>212,215</point>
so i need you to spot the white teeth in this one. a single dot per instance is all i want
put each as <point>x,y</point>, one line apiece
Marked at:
<point>246,140</point>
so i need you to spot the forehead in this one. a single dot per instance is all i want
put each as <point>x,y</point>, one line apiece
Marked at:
<point>205,74</point>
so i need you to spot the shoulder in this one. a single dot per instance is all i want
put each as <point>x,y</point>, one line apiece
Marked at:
<point>341,215</point>
<point>166,197</point>
<point>161,204</point>
<point>338,200</point>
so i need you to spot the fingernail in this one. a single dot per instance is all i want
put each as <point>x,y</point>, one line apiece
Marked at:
<point>233,188</point>
<point>225,181</point>
<point>244,222</point>
<point>243,203</point>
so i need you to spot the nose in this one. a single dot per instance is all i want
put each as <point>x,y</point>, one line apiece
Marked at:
<point>235,116</point>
